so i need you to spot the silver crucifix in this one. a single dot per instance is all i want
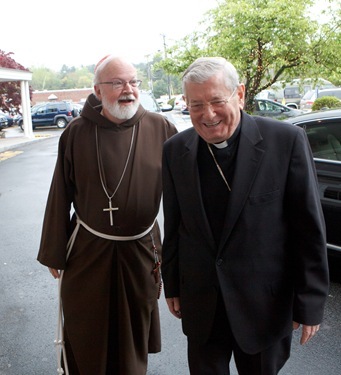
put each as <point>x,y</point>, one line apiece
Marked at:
<point>111,209</point>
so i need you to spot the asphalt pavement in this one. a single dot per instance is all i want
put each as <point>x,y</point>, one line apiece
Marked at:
<point>28,292</point>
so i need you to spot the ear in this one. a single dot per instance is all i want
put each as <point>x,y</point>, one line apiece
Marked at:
<point>97,91</point>
<point>241,95</point>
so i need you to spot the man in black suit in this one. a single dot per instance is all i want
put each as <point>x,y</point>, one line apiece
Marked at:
<point>244,253</point>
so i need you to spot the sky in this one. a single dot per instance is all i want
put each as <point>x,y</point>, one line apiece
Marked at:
<point>76,33</point>
<point>49,34</point>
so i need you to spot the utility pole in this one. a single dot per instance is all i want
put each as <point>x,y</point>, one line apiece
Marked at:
<point>149,74</point>
<point>168,77</point>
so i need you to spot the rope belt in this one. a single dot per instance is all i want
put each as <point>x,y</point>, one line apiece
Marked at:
<point>59,341</point>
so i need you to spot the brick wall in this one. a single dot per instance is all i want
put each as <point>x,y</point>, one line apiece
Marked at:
<point>76,96</point>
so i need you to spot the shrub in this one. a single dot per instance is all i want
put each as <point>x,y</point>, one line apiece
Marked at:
<point>171,102</point>
<point>326,102</point>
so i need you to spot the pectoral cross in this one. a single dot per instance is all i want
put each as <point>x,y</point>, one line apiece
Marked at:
<point>111,209</point>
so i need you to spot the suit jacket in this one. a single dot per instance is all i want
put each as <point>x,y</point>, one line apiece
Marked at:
<point>271,262</point>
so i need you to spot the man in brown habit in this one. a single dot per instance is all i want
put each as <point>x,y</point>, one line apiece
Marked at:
<point>107,255</point>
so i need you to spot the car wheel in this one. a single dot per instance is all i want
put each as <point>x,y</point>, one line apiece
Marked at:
<point>61,123</point>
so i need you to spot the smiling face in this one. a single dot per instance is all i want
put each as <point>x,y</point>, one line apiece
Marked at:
<point>120,104</point>
<point>214,123</point>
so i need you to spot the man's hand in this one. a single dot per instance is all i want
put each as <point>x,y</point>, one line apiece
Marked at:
<point>55,273</point>
<point>308,332</point>
<point>174,306</point>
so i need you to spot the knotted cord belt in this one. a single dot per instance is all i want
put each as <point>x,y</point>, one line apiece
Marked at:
<point>59,341</point>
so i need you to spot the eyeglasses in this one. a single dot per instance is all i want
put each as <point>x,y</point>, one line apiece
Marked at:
<point>215,104</point>
<point>118,84</point>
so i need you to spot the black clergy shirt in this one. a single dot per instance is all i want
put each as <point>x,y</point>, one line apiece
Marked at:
<point>214,191</point>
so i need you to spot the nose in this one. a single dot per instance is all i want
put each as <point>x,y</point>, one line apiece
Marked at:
<point>208,111</point>
<point>127,87</point>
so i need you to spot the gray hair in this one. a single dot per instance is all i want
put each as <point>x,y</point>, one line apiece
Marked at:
<point>204,68</point>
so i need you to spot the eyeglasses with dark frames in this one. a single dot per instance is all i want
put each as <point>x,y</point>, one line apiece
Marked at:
<point>118,84</point>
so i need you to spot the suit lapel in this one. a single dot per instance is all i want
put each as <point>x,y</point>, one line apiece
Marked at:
<point>248,161</point>
<point>189,163</point>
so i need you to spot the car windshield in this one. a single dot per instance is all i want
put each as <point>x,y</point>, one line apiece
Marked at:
<point>308,95</point>
<point>35,108</point>
<point>148,102</point>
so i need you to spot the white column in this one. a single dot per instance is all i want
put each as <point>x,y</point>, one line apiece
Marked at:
<point>26,109</point>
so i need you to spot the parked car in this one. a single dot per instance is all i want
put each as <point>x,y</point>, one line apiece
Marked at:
<point>267,108</point>
<point>163,104</point>
<point>291,93</point>
<point>76,109</point>
<point>323,129</point>
<point>50,114</point>
<point>10,119</point>
<point>185,110</point>
<point>308,99</point>
<point>148,102</point>
<point>3,121</point>
<point>270,108</point>
<point>179,103</point>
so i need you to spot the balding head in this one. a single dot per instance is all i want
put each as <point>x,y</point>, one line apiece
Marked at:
<point>112,63</point>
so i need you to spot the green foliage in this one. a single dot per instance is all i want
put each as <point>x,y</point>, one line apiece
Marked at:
<point>153,78</point>
<point>171,102</point>
<point>326,102</point>
<point>67,78</point>
<point>266,40</point>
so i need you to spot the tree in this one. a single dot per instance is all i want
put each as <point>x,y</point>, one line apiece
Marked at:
<point>44,79</point>
<point>266,40</point>
<point>67,78</point>
<point>10,93</point>
<point>156,78</point>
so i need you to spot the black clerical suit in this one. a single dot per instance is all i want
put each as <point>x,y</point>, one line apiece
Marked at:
<point>267,265</point>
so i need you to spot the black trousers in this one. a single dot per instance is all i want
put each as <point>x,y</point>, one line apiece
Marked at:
<point>213,357</point>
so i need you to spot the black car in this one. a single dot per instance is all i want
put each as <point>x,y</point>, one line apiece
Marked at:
<point>323,129</point>
<point>51,113</point>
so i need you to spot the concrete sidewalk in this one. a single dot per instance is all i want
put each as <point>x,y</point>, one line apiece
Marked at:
<point>15,137</point>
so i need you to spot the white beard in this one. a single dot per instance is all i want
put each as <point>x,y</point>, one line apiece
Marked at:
<point>121,112</point>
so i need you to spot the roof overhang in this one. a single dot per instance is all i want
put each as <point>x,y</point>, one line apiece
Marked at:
<point>7,75</point>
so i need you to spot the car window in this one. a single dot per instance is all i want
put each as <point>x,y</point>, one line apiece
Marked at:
<point>325,141</point>
<point>52,109</point>
<point>336,93</point>
<point>41,110</point>
<point>273,107</point>
<point>36,108</point>
<point>291,92</point>
<point>266,106</point>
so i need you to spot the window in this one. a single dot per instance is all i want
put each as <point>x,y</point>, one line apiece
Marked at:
<point>325,141</point>
<point>52,109</point>
<point>292,92</point>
